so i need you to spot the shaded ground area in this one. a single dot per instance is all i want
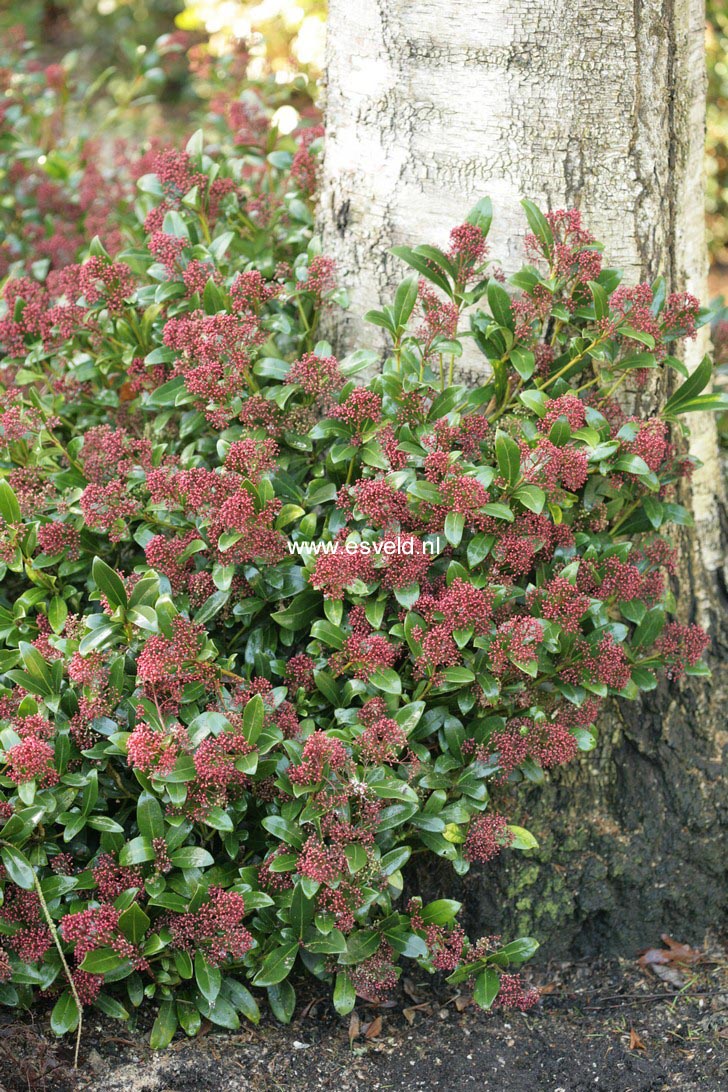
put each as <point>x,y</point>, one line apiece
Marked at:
<point>607,1025</point>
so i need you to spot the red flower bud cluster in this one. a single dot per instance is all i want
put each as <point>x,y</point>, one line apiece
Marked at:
<point>467,250</point>
<point>215,929</point>
<point>681,646</point>
<point>103,281</point>
<point>30,938</point>
<point>361,407</point>
<point>167,664</point>
<point>32,760</point>
<point>376,977</point>
<point>381,742</point>
<point>112,879</point>
<point>320,752</point>
<point>316,375</point>
<point>512,994</point>
<point>252,458</point>
<point>321,276</point>
<point>487,836</point>
<point>250,291</point>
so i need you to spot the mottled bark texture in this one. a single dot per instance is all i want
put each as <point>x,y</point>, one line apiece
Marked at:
<point>431,105</point>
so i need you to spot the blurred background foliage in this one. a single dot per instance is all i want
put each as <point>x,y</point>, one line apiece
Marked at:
<point>145,42</point>
<point>88,88</point>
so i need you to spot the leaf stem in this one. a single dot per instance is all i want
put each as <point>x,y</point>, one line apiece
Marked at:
<point>627,512</point>
<point>613,388</point>
<point>231,675</point>
<point>66,968</point>
<point>574,360</point>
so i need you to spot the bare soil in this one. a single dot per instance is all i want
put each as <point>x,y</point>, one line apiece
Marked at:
<point>608,1025</point>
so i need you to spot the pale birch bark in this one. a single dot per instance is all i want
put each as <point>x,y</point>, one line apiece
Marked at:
<point>432,104</point>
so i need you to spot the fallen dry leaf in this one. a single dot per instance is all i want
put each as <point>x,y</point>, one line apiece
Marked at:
<point>635,1043</point>
<point>410,989</point>
<point>670,974</point>
<point>374,998</point>
<point>306,1011</point>
<point>673,952</point>
<point>372,1030</point>
<point>682,952</point>
<point>409,1012</point>
<point>354,1027</point>
<point>651,956</point>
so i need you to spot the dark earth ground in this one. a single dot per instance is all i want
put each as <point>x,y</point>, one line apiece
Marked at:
<point>609,1025</point>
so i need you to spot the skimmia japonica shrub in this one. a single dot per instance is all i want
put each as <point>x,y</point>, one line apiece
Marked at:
<point>268,632</point>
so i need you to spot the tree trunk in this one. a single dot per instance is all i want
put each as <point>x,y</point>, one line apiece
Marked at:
<point>598,105</point>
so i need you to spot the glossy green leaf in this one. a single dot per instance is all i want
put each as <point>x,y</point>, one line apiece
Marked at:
<point>17,867</point>
<point>487,984</point>
<point>65,1014</point>
<point>344,994</point>
<point>277,965</point>
<point>207,977</point>
<point>109,583</point>
<point>164,1026</point>
<point>282,1000</point>
<point>509,457</point>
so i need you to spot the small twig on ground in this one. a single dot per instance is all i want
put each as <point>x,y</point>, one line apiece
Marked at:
<point>633,998</point>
